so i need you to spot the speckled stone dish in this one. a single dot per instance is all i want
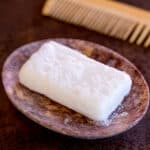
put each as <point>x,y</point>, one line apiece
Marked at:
<point>63,120</point>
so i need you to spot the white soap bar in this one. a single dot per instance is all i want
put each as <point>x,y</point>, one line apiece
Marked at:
<point>76,81</point>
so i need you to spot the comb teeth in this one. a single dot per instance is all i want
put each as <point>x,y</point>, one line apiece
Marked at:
<point>136,33</point>
<point>147,42</point>
<point>143,35</point>
<point>102,19</point>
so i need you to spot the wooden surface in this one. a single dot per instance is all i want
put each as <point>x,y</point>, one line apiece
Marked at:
<point>21,22</point>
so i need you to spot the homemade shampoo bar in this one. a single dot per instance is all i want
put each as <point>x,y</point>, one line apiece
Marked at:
<point>75,81</point>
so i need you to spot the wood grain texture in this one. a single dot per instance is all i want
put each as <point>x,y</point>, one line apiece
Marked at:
<point>21,22</point>
<point>61,119</point>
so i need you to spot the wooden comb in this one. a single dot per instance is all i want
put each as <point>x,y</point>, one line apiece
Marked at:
<point>108,17</point>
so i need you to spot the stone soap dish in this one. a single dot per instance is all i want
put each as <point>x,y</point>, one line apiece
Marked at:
<point>63,120</point>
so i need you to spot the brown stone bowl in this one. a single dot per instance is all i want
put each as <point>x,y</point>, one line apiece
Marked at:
<point>63,120</point>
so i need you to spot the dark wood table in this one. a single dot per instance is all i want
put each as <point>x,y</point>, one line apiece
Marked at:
<point>21,22</point>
